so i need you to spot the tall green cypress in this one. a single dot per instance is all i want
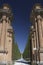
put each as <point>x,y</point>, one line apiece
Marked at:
<point>15,50</point>
<point>26,53</point>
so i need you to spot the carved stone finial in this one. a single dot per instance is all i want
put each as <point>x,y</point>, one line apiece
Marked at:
<point>6,6</point>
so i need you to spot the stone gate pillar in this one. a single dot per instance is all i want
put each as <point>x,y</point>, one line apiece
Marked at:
<point>6,34</point>
<point>37,18</point>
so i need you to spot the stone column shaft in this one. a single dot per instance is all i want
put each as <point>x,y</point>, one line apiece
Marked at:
<point>35,39</point>
<point>3,35</point>
<point>42,28</point>
<point>0,33</point>
<point>32,44</point>
<point>39,20</point>
<point>36,28</point>
<point>40,32</point>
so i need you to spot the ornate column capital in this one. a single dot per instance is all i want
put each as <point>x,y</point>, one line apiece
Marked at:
<point>3,17</point>
<point>39,17</point>
<point>32,29</point>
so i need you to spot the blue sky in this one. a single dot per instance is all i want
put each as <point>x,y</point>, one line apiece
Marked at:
<point>21,11</point>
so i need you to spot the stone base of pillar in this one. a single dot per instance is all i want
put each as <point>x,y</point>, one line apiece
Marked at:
<point>6,63</point>
<point>40,63</point>
<point>41,56</point>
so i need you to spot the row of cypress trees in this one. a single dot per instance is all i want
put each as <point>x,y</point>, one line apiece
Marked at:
<point>15,50</point>
<point>26,53</point>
